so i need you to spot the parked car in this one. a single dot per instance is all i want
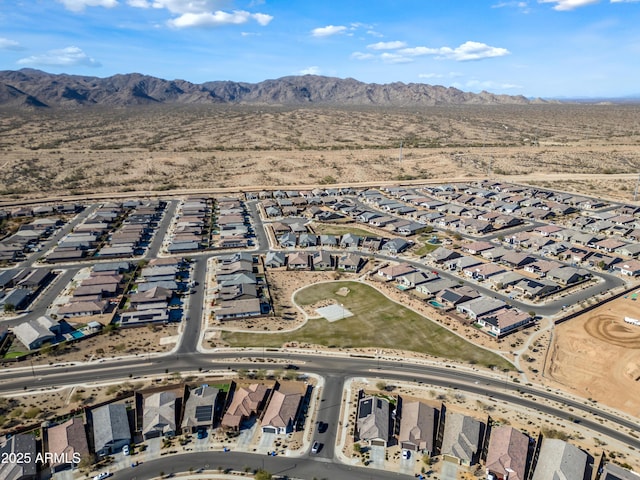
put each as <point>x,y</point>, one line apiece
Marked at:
<point>102,475</point>
<point>125,450</point>
<point>406,454</point>
<point>315,448</point>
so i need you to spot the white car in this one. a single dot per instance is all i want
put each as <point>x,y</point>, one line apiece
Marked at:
<point>125,450</point>
<point>102,475</point>
<point>406,454</point>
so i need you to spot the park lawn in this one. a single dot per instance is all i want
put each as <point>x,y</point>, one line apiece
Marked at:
<point>324,229</point>
<point>377,323</point>
<point>426,248</point>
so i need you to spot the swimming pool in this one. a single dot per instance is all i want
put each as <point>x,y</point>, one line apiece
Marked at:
<point>76,334</point>
<point>435,304</point>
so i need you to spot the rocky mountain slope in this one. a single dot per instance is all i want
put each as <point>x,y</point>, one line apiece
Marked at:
<point>34,88</point>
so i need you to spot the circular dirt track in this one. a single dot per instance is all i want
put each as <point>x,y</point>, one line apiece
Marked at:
<point>612,329</point>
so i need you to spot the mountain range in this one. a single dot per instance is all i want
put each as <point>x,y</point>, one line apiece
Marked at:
<point>37,89</point>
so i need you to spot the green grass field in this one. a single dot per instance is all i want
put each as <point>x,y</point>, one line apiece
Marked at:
<point>377,322</point>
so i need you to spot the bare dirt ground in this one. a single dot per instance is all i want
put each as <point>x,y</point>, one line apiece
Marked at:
<point>597,355</point>
<point>118,343</point>
<point>162,149</point>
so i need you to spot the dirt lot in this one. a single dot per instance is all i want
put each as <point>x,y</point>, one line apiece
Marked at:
<point>597,354</point>
<point>160,149</point>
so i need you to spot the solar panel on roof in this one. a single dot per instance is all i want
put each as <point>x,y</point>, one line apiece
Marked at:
<point>204,413</point>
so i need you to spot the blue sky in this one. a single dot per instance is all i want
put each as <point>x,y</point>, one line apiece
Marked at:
<point>538,48</point>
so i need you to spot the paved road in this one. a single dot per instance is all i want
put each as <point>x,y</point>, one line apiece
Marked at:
<point>303,467</point>
<point>446,376</point>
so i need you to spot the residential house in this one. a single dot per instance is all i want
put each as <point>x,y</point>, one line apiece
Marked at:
<point>67,441</point>
<point>559,459</point>
<point>568,275</point>
<point>431,288</point>
<point>418,426</point>
<point>159,415</point>
<point>234,309</point>
<point>442,255</point>
<point>351,262</point>
<point>611,471</point>
<point>282,412</point>
<point>532,288</point>
<point>322,260</point>
<point>411,280</point>
<point>34,333</point>
<point>629,268</point>
<point>199,411</point>
<point>483,271</point>
<point>111,429</point>
<point>275,260</point>
<point>349,240</point>
<point>476,248</point>
<point>462,439</point>
<point>246,402</point>
<point>298,261</point>
<point>22,445</point>
<point>373,420</point>
<point>503,321</point>
<point>462,262</point>
<point>392,272</point>
<point>395,246</point>
<point>455,295</point>
<point>480,306</point>
<point>516,259</point>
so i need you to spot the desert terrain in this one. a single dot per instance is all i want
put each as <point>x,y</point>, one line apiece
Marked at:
<point>587,148</point>
<point>596,355</point>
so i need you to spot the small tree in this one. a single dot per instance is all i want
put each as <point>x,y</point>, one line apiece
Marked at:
<point>263,475</point>
<point>381,385</point>
<point>9,308</point>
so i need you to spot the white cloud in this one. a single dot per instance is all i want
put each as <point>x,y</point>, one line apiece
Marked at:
<point>6,44</point>
<point>181,6</point>
<point>512,4</point>
<point>395,58</point>
<point>262,18</point>
<point>328,30</point>
<point>565,5</point>
<point>310,71</point>
<point>139,3</point>
<point>80,5</point>
<point>65,57</point>
<point>387,45</point>
<point>430,75</point>
<point>465,52</point>
<point>217,19</point>
<point>362,56</point>
<point>490,85</point>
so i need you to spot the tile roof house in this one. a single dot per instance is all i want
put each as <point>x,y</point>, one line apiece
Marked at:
<point>630,268</point>
<point>67,441</point>
<point>199,409</point>
<point>611,471</point>
<point>443,254</point>
<point>110,428</point>
<point>462,438</point>
<point>281,413</point>
<point>33,334</point>
<point>159,415</point>
<point>392,272</point>
<point>373,420</point>
<point>418,426</point>
<point>350,262</point>
<point>480,306</point>
<point>507,454</point>
<point>246,401</point>
<point>559,459</point>
<point>22,444</point>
